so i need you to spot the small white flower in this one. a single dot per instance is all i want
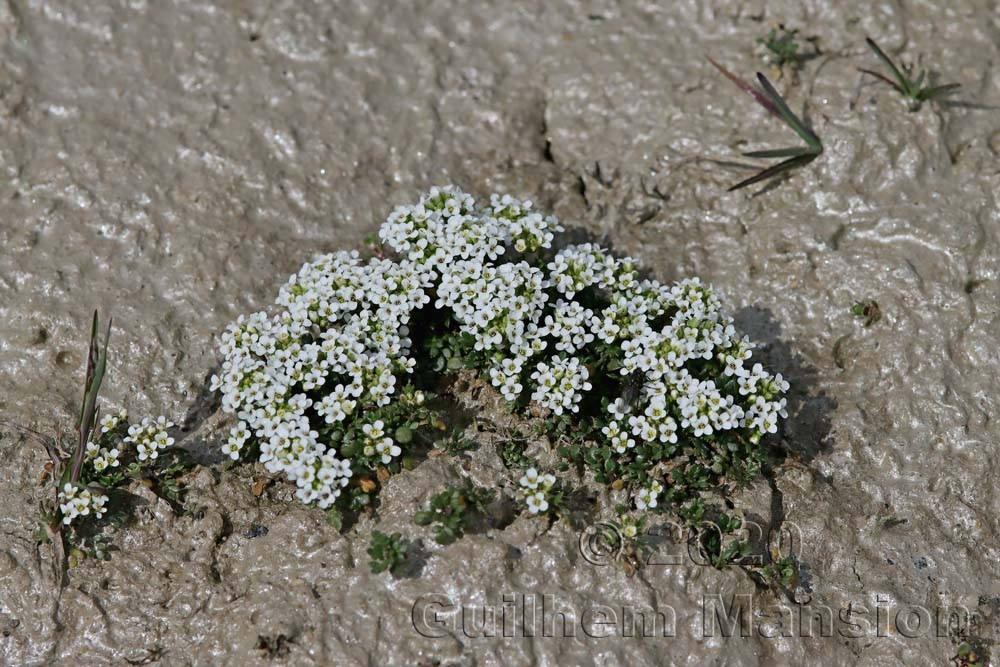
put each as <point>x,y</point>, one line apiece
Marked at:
<point>536,502</point>
<point>646,498</point>
<point>387,450</point>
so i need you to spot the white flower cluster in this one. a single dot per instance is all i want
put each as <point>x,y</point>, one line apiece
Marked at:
<point>646,497</point>
<point>561,384</point>
<point>342,335</point>
<point>378,443</point>
<point>112,445</point>
<point>110,421</point>
<point>148,437</point>
<point>534,490</point>
<point>102,458</point>
<point>542,318</point>
<point>77,501</point>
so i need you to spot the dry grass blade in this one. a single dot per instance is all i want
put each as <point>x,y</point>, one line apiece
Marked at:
<point>748,89</point>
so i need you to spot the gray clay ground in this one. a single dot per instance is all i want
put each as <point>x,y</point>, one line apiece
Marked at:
<point>174,162</point>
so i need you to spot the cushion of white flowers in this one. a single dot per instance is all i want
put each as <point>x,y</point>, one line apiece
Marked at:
<point>338,345</point>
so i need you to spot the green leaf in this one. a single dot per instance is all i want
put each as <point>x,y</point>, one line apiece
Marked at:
<point>770,172</point>
<point>903,83</point>
<point>800,128</point>
<point>883,78</point>
<point>335,519</point>
<point>938,91</point>
<point>97,358</point>
<point>404,434</point>
<point>778,152</point>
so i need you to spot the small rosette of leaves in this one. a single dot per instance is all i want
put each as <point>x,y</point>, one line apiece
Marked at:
<point>387,552</point>
<point>452,511</point>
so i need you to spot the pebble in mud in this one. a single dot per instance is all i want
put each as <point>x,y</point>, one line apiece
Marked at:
<point>256,530</point>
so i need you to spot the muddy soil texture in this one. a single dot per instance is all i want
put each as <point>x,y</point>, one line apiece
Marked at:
<point>173,163</point>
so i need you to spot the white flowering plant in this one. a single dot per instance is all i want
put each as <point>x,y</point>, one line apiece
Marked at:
<point>107,453</point>
<point>538,491</point>
<point>116,453</point>
<point>453,510</point>
<point>646,385</point>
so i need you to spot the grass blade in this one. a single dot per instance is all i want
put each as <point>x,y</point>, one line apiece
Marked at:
<point>749,90</point>
<point>770,172</point>
<point>884,78</point>
<point>786,114</point>
<point>97,358</point>
<point>771,100</point>
<point>904,83</point>
<point>938,91</point>
<point>779,152</point>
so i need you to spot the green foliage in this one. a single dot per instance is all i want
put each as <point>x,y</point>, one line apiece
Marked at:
<point>796,156</point>
<point>405,420</point>
<point>782,47</point>
<point>780,573</point>
<point>693,512</point>
<point>335,519</point>
<point>356,498</point>
<point>868,310</point>
<point>456,444</point>
<point>511,451</point>
<point>387,552</point>
<point>451,511</point>
<point>720,552</point>
<point>81,548</point>
<point>454,351</point>
<point>967,656</point>
<point>914,90</point>
<point>167,470</point>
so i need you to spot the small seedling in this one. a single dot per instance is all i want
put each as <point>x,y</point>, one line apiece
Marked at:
<point>796,156</point>
<point>97,359</point>
<point>67,467</point>
<point>452,511</point>
<point>512,453</point>
<point>779,573</point>
<point>782,47</point>
<point>867,309</point>
<point>456,444</point>
<point>966,656</point>
<point>720,552</point>
<point>388,552</point>
<point>912,89</point>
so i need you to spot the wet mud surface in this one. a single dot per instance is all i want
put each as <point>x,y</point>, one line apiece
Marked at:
<point>173,163</point>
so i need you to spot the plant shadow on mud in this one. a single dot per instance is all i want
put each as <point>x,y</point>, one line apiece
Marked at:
<point>805,433</point>
<point>205,405</point>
